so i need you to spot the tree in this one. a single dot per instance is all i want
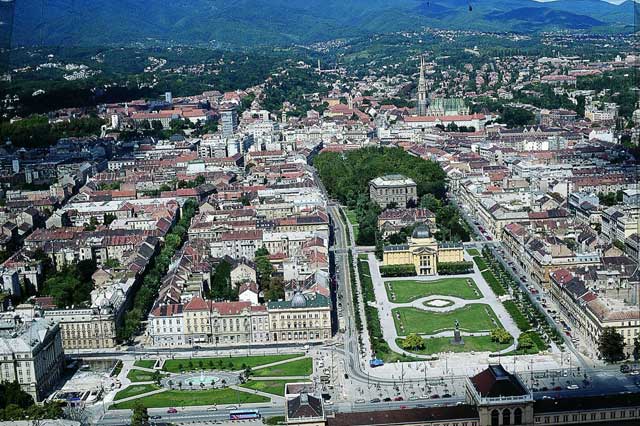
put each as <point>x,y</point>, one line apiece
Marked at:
<point>140,416</point>
<point>413,341</point>
<point>500,335</point>
<point>525,342</point>
<point>636,349</point>
<point>611,345</point>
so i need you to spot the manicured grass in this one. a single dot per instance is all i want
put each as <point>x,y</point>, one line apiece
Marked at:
<point>482,265</point>
<point>473,252</point>
<point>437,345</point>
<point>521,321</point>
<point>300,367</point>
<point>224,363</point>
<point>275,387</point>
<point>493,283</point>
<point>409,290</point>
<point>472,318</point>
<point>353,220</point>
<point>135,390</point>
<point>366,284</point>
<point>185,398</point>
<point>141,376</point>
<point>145,363</point>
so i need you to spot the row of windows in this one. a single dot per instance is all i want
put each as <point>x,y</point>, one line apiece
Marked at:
<point>571,418</point>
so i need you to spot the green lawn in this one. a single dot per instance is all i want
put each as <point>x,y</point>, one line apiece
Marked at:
<point>224,363</point>
<point>437,345</point>
<point>185,398</point>
<point>493,283</point>
<point>300,367</point>
<point>353,220</point>
<point>482,264</point>
<point>145,363</point>
<point>141,376</point>
<point>275,387</point>
<point>409,290</point>
<point>473,252</point>
<point>472,318</point>
<point>135,390</point>
<point>521,321</point>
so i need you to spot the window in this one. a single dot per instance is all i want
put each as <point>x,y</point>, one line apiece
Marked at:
<point>506,417</point>
<point>495,418</point>
<point>517,416</point>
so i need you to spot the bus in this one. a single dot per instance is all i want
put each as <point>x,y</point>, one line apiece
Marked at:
<point>244,414</point>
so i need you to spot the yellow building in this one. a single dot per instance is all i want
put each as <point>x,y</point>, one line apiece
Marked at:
<point>424,252</point>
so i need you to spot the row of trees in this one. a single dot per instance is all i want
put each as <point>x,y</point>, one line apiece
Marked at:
<point>157,268</point>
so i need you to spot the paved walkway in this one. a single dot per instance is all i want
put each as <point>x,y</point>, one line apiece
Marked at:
<point>385,307</point>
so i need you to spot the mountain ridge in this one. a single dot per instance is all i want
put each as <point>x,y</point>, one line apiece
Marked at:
<point>280,22</point>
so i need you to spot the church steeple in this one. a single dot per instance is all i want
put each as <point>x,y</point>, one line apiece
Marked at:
<point>423,100</point>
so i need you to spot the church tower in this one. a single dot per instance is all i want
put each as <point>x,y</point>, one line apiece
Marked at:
<point>423,100</point>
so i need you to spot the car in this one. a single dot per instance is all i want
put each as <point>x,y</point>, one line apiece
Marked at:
<point>446,395</point>
<point>232,407</point>
<point>573,387</point>
<point>635,372</point>
<point>360,401</point>
<point>328,403</point>
<point>435,396</point>
<point>346,376</point>
<point>387,399</point>
<point>172,411</point>
<point>420,406</point>
<point>374,400</point>
<point>212,409</point>
<point>155,417</point>
<point>403,407</point>
<point>413,398</point>
<point>398,398</point>
<point>624,368</point>
<point>544,389</point>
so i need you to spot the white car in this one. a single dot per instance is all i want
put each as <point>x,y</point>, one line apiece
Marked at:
<point>573,387</point>
<point>212,409</point>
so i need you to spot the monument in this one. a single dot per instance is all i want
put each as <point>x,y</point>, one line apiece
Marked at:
<point>457,338</point>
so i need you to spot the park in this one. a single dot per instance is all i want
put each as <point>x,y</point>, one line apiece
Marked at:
<point>208,381</point>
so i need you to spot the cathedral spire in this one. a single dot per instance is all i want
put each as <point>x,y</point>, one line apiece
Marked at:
<point>423,101</point>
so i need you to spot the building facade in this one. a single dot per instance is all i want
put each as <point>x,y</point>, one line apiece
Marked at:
<point>395,190</point>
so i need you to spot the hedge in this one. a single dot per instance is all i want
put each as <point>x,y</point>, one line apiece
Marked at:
<point>407,270</point>
<point>455,268</point>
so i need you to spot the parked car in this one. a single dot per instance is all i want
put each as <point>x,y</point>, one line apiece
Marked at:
<point>387,399</point>
<point>172,410</point>
<point>398,398</point>
<point>375,400</point>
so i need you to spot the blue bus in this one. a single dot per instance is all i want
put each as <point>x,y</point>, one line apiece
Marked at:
<point>244,414</point>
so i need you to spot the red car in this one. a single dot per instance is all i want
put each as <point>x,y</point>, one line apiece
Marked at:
<point>398,398</point>
<point>403,407</point>
<point>172,410</point>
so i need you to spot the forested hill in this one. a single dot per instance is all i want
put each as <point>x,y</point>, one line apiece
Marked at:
<point>231,23</point>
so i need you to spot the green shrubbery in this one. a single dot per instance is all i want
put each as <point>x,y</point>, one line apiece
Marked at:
<point>398,270</point>
<point>455,268</point>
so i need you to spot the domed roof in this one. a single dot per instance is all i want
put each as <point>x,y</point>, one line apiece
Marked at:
<point>298,301</point>
<point>421,231</point>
